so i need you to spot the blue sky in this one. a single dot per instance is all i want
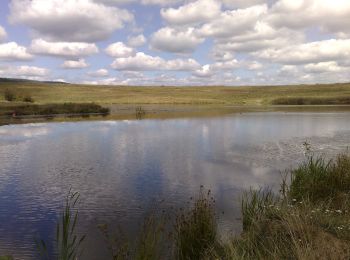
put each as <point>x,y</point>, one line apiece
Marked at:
<point>176,42</point>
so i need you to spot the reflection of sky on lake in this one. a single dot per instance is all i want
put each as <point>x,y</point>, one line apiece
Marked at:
<point>123,168</point>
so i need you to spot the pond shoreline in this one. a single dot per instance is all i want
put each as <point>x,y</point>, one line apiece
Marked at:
<point>156,111</point>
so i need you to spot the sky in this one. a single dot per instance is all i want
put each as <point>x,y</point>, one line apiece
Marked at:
<point>176,42</point>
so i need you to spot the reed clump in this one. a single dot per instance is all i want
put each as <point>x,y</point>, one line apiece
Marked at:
<point>68,243</point>
<point>195,231</point>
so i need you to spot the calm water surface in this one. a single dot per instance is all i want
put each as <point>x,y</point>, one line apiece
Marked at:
<point>125,169</point>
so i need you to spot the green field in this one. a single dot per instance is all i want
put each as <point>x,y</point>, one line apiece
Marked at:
<point>44,93</point>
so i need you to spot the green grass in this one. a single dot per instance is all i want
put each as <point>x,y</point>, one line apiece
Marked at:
<point>44,93</point>
<point>6,258</point>
<point>320,180</point>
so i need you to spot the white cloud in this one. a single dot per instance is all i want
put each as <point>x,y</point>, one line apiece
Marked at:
<point>143,62</point>
<point>160,2</point>
<point>192,13</point>
<point>69,20</point>
<point>144,2</point>
<point>23,71</point>
<point>322,72</point>
<point>329,15</point>
<point>246,41</point>
<point>174,40</point>
<point>205,71</point>
<point>11,51</point>
<point>119,50</point>
<point>3,34</point>
<point>137,41</point>
<point>312,52</point>
<point>75,64</point>
<point>330,66</point>
<point>63,49</point>
<point>262,36</point>
<point>233,22</point>
<point>254,65</point>
<point>140,62</point>
<point>115,2</point>
<point>181,64</point>
<point>225,65</point>
<point>242,3</point>
<point>209,70</point>
<point>98,73</point>
<point>220,55</point>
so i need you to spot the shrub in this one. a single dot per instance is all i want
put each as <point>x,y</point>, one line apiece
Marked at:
<point>28,99</point>
<point>9,95</point>
<point>140,113</point>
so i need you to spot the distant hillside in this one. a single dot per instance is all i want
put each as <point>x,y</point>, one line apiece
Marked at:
<point>13,80</point>
<point>46,93</point>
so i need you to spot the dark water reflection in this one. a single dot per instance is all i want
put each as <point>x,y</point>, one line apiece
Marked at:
<point>124,168</point>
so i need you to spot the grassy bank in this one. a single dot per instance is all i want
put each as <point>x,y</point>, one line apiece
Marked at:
<point>44,93</point>
<point>130,102</point>
<point>312,101</point>
<point>308,219</point>
<point>52,109</point>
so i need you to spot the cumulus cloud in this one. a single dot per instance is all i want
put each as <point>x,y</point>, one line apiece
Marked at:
<point>144,62</point>
<point>144,2</point>
<point>262,36</point>
<point>63,49</point>
<point>75,64</point>
<point>192,13</point>
<point>254,65</point>
<point>160,2</point>
<point>312,52</point>
<point>98,73</point>
<point>137,41</point>
<point>330,16</point>
<point>115,2</point>
<point>11,51</point>
<point>23,71</point>
<point>221,55</point>
<point>321,67</point>
<point>322,72</point>
<point>232,22</point>
<point>175,40</point>
<point>241,41</point>
<point>242,3</point>
<point>3,34</point>
<point>119,50</point>
<point>205,71</point>
<point>69,20</point>
<point>209,70</point>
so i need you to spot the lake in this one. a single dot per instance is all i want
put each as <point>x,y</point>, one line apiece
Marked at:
<point>124,170</point>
